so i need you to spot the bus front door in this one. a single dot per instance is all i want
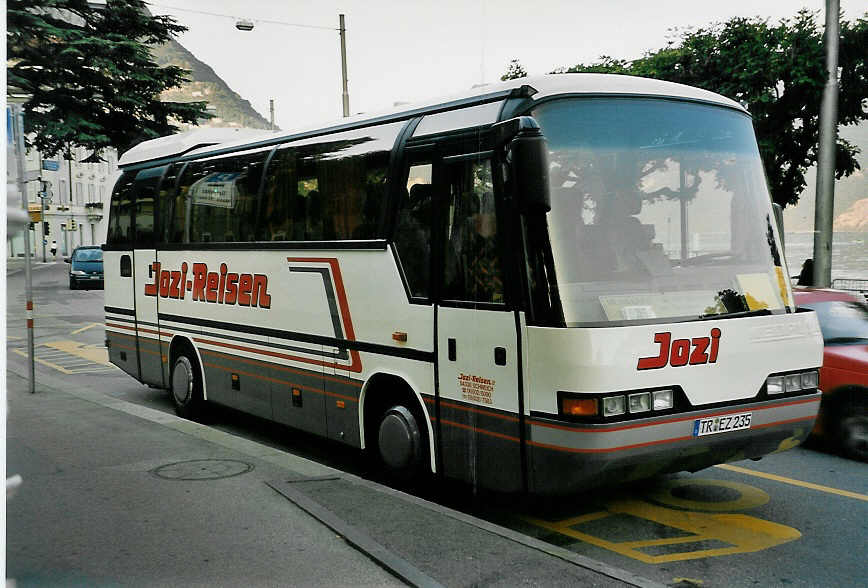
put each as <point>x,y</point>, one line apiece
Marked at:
<point>477,347</point>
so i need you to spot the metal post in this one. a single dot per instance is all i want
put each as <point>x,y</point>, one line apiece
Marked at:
<point>825,199</point>
<point>44,239</point>
<point>345,95</point>
<point>18,122</point>
<point>271,109</point>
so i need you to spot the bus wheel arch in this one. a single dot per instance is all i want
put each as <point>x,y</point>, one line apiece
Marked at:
<point>391,408</point>
<point>186,378</point>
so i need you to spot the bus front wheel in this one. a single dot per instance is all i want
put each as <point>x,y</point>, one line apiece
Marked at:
<point>400,442</point>
<point>187,387</point>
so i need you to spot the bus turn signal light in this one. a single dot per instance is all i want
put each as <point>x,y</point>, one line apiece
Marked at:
<point>579,406</point>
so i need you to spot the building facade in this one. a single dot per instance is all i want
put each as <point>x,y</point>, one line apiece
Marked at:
<point>76,201</point>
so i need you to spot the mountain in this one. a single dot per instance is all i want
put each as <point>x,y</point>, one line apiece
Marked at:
<point>851,193</point>
<point>230,109</point>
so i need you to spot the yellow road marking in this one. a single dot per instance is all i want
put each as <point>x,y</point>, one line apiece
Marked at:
<point>52,354</point>
<point>819,487</point>
<point>748,496</point>
<point>13,337</point>
<point>90,326</point>
<point>741,533</point>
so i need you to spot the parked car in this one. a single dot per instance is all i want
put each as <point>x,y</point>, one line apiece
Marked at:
<point>843,418</point>
<point>85,267</point>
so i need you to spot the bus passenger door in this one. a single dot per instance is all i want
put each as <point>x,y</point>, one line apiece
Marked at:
<point>477,350</point>
<point>120,305</point>
<point>146,278</point>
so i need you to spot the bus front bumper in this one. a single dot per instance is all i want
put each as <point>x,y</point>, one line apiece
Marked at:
<point>569,457</point>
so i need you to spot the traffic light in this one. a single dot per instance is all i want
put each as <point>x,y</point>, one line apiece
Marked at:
<point>45,228</point>
<point>72,225</point>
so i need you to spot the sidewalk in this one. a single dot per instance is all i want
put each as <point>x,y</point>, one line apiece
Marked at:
<point>119,494</point>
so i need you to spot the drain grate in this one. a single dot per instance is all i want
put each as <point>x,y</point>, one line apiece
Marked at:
<point>202,469</point>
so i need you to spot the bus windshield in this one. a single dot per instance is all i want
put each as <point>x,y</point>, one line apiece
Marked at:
<point>660,210</point>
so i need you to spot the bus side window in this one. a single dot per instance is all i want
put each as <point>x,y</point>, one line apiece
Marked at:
<point>121,213</point>
<point>144,214</point>
<point>413,229</point>
<point>165,199</point>
<point>471,262</point>
<point>280,205</point>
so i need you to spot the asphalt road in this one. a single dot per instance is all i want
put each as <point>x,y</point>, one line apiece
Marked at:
<point>798,518</point>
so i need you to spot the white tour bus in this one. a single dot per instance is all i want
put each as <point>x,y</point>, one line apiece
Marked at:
<point>543,285</point>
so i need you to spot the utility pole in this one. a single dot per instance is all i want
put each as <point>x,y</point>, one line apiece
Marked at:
<point>271,109</point>
<point>18,126</point>
<point>345,95</point>
<point>825,199</point>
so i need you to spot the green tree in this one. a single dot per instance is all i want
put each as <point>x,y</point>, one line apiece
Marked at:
<point>778,72</point>
<point>90,76</point>
<point>514,71</point>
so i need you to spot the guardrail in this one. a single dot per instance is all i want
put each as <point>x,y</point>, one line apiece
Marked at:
<point>852,284</point>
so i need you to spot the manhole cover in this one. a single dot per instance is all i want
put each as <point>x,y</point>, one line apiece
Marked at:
<point>203,469</point>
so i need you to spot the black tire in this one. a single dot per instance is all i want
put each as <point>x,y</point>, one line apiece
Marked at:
<point>402,443</point>
<point>853,431</point>
<point>185,385</point>
<point>72,284</point>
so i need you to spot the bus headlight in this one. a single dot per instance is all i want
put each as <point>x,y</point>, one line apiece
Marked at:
<point>613,405</point>
<point>640,402</point>
<point>793,382</point>
<point>810,380</point>
<point>662,399</point>
<point>775,385</point>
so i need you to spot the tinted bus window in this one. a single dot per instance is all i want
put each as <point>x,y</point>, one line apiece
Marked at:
<point>329,188</point>
<point>216,200</point>
<point>413,228</point>
<point>146,184</point>
<point>120,228</point>
<point>165,199</point>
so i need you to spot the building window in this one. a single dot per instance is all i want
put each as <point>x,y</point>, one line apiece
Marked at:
<point>61,193</point>
<point>90,192</point>
<point>79,193</point>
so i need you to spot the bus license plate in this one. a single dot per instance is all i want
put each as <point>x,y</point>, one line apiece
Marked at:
<point>721,424</point>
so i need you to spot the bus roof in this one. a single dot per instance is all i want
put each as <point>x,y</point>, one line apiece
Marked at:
<point>203,141</point>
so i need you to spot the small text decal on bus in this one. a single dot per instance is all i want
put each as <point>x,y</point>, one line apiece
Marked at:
<point>678,353</point>
<point>224,287</point>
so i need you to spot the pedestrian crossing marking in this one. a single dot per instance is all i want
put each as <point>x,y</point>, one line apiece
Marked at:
<point>72,357</point>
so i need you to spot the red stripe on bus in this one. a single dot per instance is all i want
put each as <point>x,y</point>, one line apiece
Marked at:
<point>343,303</point>
<point>537,423</point>
<point>601,449</point>
<point>283,368</point>
<point>278,381</point>
<point>280,355</point>
<point>505,417</point>
<point>478,430</point>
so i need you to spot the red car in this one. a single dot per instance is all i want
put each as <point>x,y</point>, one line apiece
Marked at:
<point>843,417</point>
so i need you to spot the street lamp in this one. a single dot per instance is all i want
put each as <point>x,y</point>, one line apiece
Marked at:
<point>245,25</point>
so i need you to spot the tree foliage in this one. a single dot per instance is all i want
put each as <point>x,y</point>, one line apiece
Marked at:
<point>778,71</point>
<point>90,76</point>
<point>514,71</point>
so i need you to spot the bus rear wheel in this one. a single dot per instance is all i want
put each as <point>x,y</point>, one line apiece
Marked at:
<point>187,387</point>
<point>401,445</point>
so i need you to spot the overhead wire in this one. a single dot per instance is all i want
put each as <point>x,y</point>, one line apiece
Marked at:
<point>235,17</point>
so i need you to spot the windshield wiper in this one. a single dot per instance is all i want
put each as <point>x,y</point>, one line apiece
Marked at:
<point>729,315</point>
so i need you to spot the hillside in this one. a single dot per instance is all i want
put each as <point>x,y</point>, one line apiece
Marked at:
<point>851,194</point>
<point>230,109</point>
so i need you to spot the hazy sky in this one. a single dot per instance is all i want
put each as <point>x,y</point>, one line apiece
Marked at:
<point>416,49</point>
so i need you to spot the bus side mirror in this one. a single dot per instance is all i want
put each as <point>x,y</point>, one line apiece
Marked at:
<point>527,155</point>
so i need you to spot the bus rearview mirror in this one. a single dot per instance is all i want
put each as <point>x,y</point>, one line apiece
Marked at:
<point>528,157</point>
